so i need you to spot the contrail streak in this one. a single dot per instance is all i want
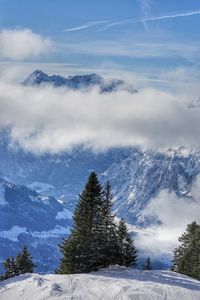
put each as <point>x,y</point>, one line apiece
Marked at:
<point>84,26</point>
<point>154,18</point>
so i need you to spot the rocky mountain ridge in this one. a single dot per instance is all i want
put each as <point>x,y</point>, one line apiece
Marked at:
<point>78,82</point>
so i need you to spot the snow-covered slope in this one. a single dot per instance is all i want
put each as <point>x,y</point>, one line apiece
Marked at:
<point>62,176</point>
<point>141,176</point>
<point>77,82</point>
<point>111,284</point>
<point>28,218</point>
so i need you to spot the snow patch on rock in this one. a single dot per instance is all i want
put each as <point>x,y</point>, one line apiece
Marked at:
<point>40,187</point>
<point>13,233</point>
<point>56,232</point>
<point>64,214</point>
<point>3,201</point>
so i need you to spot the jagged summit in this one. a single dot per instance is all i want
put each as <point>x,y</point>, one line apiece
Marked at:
<point>77,82</point>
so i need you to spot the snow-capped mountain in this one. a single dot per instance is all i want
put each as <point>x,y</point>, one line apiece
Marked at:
<point>110,284</point>
<point>135,176</point>
<point>140,177</point>
<point>28,218</point>
<point>77,82</point>
<point>62,176</point>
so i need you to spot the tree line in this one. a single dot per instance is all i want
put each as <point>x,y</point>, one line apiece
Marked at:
<point>21,264</point>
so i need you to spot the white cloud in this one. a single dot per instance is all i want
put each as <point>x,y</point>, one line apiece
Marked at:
<point>22,44</point>
<point>50,119</point>
<point>140,47</point>
<point>146,6</point>
<point>174,213</point>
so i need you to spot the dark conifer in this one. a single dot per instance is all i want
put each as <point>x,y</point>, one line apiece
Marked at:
<point>82,250</point>
<point>187,255</point>
<point>95,241</point>
<point>147,266</point>
<point>10,268</point>
<point>67,262</point>
<point>110,242</point>
<point>20,265</point>
<point>127,252</point>
<point>24,263</point>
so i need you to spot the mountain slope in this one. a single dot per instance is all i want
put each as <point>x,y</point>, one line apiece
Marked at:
<point>106,285</point>
<point>28,218</point>
<point>77,82</point>
<point>62,176</point>
<point>140,177</point>
<point>136,178</point>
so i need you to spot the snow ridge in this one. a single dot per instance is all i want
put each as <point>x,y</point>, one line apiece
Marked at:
<point>115,283</point>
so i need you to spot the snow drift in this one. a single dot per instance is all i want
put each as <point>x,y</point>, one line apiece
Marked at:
<point>119,283</point>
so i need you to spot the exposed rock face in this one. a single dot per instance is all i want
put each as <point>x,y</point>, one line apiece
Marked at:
<point>77,82</point>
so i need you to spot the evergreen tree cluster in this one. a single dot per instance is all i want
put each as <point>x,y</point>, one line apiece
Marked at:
<point>95,240</point>
<point>20,265</point>
<point>147,266</point>
<point>187,255</point>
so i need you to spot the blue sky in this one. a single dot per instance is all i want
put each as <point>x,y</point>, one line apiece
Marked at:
<point>153,35</point>
<point>152,44</point>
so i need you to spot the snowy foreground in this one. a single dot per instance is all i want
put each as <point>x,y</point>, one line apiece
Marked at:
<point>105,284</point>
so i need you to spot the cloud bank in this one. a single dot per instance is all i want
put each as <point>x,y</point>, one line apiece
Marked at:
<point>49,119</point>
<point>22,44</point>
<point>173,213</point>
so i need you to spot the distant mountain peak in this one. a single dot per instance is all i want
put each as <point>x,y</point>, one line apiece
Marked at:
<point>77,82</point>
<point>39,72</point>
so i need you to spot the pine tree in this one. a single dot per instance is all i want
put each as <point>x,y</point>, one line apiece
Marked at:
<point>187,255</point>
<point>110,242</point>
<point>172,267</point>
<point>82,251</point>
<point>20,265</point>
<point>127,252</point>
<point>10,268</point>
<point>147,266</point>
<point>24,263</point>
<point>95,241</point>
<point>67,262</point>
